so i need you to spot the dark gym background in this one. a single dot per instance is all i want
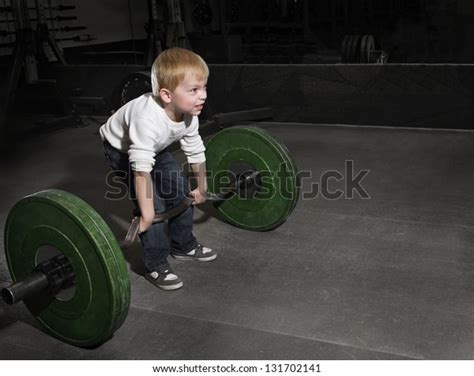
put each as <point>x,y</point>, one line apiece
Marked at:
<point>386,278</point>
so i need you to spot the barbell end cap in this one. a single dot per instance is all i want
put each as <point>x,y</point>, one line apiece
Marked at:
<point>18,291</point>
<point>7,296</point>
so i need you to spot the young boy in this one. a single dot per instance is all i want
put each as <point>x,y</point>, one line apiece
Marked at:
<point>135,138</point>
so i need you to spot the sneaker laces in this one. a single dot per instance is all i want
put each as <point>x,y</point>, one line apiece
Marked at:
<point>170,276</point>
<point>199,247</point>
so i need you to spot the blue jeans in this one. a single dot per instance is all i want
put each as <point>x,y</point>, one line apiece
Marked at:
<point>170,188</point>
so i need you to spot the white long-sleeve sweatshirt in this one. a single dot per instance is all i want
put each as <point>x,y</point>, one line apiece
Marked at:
<point>142,128</point>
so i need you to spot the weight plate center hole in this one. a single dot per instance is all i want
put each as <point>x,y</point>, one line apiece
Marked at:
<point>48,252</point>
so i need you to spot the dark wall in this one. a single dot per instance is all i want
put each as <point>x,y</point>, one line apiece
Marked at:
<point>389,95</point>
<point>395,95</point>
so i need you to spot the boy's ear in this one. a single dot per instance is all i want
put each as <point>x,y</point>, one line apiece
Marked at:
<point>165,96</point>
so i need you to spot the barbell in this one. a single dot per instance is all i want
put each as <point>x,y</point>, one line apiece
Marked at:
<point>68,267</point>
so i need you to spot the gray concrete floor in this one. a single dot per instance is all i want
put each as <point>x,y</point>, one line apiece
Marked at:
<point>390,277</point>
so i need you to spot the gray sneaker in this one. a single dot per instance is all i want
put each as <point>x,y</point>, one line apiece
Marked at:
<point>166,280</point>
<point>199,253</point>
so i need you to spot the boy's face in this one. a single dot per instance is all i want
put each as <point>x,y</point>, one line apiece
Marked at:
<point>189,96</point>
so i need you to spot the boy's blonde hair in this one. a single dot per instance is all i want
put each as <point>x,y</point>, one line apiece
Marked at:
<point>171,67</point>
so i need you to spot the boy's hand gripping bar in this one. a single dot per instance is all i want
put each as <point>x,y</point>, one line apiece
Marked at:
<point>223,195</point>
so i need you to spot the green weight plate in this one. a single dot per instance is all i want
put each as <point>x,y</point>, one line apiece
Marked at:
<point>293,176</point>
<point>296,182</point>
<point>101,300</point>
<point>278,192</point>
<point>293,169</point>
